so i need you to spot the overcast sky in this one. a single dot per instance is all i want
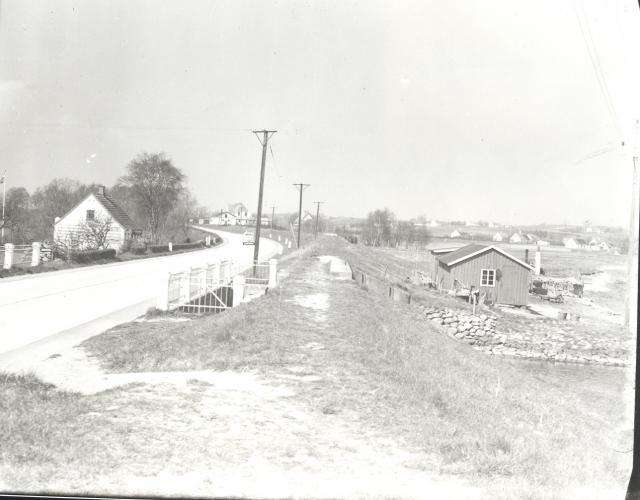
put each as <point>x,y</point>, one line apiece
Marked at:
<point>457,110</point>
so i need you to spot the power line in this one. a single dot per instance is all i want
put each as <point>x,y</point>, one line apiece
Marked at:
<point>597,66</point>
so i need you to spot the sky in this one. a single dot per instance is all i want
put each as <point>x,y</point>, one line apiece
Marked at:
<point>511,111</point>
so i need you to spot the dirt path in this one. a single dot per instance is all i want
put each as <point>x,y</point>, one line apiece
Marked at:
<point>232,433</point>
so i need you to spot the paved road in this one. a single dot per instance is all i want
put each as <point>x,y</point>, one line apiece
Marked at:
<point>34,307</point>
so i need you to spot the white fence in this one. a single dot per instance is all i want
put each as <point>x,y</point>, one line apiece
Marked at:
<point>215,287</point>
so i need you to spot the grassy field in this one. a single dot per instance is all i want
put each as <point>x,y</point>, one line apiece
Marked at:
<point>358,369</point>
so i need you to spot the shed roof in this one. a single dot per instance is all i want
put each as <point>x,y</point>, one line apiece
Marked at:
<point>469,251</point>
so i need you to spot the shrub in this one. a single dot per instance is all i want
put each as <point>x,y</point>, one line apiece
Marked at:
<point>187,246</point>
<point>159,248</point>
<point>138,250</point>
<point>92,255</point>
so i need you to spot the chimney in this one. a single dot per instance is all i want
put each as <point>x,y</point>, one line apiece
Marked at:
<point>101,190</point>
<point>537,261</point>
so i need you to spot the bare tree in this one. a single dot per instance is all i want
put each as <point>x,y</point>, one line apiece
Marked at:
<point>156,184</point>
<point>95,233</point>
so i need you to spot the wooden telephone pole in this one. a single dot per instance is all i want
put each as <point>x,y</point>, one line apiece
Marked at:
<point>317,216</point>
<point>301,187</point>
<point>266,135</point>
<point>273,213</point>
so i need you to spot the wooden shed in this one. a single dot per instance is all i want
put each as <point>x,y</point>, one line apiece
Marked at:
<point>501,276</point>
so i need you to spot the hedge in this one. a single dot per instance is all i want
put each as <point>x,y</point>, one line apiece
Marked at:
<point>159,248</point>
<point>91,255</point>
<point>187,246</point>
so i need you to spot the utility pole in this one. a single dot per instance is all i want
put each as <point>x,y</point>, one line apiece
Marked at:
<point>3,180</point>
<point>266,135</point>
<point>273,213</point>
<point>317,215</point>
<point>301,187</point>
<point>633,488</point>
<point>632,230</point>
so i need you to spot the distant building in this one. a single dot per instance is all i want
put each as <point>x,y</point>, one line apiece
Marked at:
<point>224,218</point>
<point>433,223</point>
<point>515,238</point>
<point>500,276</point>
<point>543,243</point>
<point>574,243</point>
<point>99,211</point>
<point>455,234</point>
<point>499,236</point>
<point>240,212</point>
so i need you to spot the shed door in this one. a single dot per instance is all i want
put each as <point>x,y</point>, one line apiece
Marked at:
<point>506,286</point>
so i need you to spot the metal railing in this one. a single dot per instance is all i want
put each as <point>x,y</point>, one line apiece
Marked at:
<point>211,288</point>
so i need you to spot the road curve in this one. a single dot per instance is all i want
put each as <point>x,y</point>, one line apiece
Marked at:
<point>36,306</point>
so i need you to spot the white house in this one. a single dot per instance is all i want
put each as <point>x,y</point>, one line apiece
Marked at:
<point>96,221</point>
<point>433,223</point>
<point>498,236</point>
<point>515,238</point>
<point>543,243</point>
<point>240,212</point>
<point>455,234</point>
<point>224,218</point>
<point>574,243</point>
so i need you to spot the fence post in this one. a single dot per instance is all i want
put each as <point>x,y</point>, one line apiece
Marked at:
<point>163,292</point>
<point>207,240</point>
<point>185,289</point>
<point>35,253</point>
<point>273,268</point>
<point>278,237</point>
<point>170,247</point>
<point>8,256</point>
<point>289,245</point>
<point>238,290</point>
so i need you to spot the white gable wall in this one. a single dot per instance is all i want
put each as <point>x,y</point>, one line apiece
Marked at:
<point>70,227</point>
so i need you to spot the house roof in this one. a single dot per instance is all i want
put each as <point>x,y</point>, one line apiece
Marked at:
<point>437,251</point>
<point>115,210</point>
<point>469,251</point>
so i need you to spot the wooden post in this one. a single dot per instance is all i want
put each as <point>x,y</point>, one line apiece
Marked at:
<point>8,256</point>
<point>273,266</point>
<point>238,290</point>
<point>35,254</point>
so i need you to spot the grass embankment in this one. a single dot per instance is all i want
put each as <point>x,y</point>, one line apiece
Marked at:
<point>521,433</point>
<point>534,433</point>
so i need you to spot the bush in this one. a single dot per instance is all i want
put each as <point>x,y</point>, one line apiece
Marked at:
<point>138,250</point>
<point>92,255</point>
<point>187,246</point>
<point>159,248</point>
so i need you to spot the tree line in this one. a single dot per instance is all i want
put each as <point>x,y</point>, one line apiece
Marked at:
<point>383,229</point>
<point>152,191</point>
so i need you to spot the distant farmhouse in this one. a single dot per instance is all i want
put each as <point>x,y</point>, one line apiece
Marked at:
<point>500,276</point>
<point>433,223</point>
<point>96,213</point>
<point>574,243</point>
<point>515,238</point>
<point>499,236</point>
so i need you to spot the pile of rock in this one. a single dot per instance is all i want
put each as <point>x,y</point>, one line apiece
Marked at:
<point>461,324</point>
<point>540,338</point>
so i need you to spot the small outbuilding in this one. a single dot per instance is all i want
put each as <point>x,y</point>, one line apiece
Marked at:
<point>502,277</point>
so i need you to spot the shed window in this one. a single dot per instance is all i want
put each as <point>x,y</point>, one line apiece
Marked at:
<point>488,277</point>
<point>91,215</point>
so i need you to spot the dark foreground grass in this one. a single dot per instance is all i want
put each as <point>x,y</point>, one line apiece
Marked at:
<point>523,432</point>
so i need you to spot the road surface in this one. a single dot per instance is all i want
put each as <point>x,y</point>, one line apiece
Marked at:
<point>34,307</point>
